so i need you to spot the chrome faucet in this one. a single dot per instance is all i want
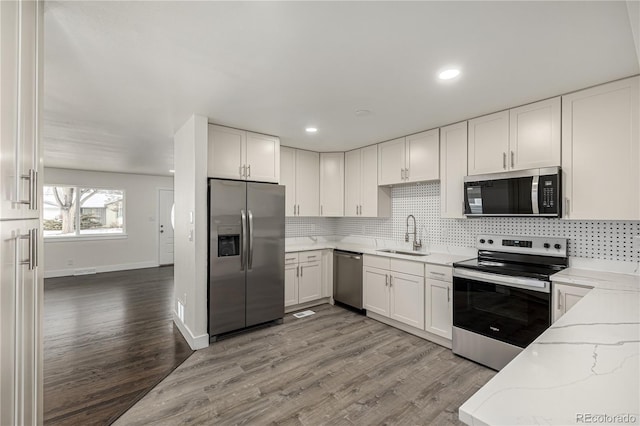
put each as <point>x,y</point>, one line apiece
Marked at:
<point>416,244</point>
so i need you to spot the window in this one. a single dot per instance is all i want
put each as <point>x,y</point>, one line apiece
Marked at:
<point>76,211</point>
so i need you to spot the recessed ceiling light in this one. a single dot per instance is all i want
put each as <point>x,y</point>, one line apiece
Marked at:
<point>449,74</point>
<point>363,112</point>
<point>172,171</point>
<point>311,130</point>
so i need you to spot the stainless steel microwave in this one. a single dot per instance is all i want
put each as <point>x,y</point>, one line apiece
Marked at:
<point>533,192</point>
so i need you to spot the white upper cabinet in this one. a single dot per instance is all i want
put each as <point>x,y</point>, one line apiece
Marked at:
<point>601,152</point>
<point>288,178</point>
<point>422,156</point>
<point>263,158</point>
<point>363,196</point>
<point>534,139</point>
<point>391,158</point>
<point>20,93</point>
<point>300,174</point>
<point>353,182</point>
<point>332,184</point>
<point>453,169</point>
<point>415,158</point>
<point>237,154</point>
<point>226,152</point>
<point>521,138</point>
<point>488,143</point>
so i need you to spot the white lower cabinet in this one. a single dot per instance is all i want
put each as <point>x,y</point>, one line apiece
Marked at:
<point>291,272</point>
<point>565,296</point>
<point>406,302</point>
<point>304,277</point>
<point>20,329</point>
<point>376,290</point>
<point>393,294</point>
<point>438,300</point>
<point>310,281</point>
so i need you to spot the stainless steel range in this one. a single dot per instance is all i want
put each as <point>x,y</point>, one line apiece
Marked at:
<point>502,299</point>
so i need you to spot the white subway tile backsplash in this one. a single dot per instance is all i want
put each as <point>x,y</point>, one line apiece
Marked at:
<point>607,240</point>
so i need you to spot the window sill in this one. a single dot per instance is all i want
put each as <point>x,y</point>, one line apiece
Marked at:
<point>53,239</point>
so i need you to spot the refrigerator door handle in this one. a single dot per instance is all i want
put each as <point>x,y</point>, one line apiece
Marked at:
<point>243,238</point>
<point>250,257</point>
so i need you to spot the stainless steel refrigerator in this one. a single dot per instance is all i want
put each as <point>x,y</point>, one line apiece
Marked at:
<point>246,254</point>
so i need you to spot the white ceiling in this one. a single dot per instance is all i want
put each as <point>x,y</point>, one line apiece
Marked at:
<point>122,77</point>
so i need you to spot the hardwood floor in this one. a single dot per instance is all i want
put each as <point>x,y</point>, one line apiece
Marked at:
<point>335,367</point>
<point>108,339</point>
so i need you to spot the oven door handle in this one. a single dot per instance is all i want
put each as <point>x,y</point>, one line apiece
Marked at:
<point>506,280</point>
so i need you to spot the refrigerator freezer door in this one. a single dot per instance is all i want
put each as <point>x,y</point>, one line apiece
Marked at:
<point>265,265</point>
<point>227,253</point>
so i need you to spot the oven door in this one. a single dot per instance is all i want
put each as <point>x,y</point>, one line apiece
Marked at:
<point>513,310</point>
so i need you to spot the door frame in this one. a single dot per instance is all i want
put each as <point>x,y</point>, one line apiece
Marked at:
<point>157,221</point>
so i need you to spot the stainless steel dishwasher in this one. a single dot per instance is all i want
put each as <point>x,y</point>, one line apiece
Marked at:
<point>347,278</point>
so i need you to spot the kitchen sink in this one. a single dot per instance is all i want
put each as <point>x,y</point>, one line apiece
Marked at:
<point>406,252</point>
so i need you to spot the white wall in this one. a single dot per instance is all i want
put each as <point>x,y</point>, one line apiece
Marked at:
<point>190,237</point>
<point>137,250</point>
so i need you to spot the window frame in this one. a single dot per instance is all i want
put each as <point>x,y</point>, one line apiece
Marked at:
<point>77,236</point>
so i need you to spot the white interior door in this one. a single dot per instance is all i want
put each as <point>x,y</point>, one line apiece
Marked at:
<point>165,229</point>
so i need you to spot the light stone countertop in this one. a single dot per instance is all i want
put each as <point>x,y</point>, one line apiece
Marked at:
<point>435,258</point>
<point>586,363</point>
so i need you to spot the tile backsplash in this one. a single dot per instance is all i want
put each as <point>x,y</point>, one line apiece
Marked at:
<point>607,240</point>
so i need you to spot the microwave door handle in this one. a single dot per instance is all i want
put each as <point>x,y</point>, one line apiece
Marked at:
<point>534,195</point>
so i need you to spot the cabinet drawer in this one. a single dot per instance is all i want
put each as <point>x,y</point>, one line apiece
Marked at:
<point>407,267</point>
<point>310,256</point>
<point>290,258</point>
<point>437,272</point>
<point>376,261</point>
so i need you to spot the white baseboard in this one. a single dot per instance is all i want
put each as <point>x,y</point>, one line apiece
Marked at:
<point>98,269</point>
<point>195,342</point>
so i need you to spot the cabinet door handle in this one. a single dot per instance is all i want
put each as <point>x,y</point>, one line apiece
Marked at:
<point>386,280</point>
<point>297,271</point>
<point>32,240</point>
<point>356,210</point>
<point>437,273</point>
<point>320,209</point>
<point>301,270</point>
<point>401,174</point>
<point>504,160</point>
<point>448,294</point>
<point>390,280</point>
<point>406,174</point>
<point>559,296</point>
<point>32,177</point>
<point>249,170</point>
<point>566,207</point>
<point>361,210</point>
<point>289,258</point>
<point>513,161</point>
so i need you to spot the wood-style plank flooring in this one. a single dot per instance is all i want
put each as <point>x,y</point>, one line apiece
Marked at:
<point>108,339</point>
<point>335,367</point>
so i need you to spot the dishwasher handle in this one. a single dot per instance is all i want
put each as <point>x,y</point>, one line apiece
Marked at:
<point>347,254</point>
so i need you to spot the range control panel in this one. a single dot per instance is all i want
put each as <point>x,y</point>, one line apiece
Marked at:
<point>545,246</point>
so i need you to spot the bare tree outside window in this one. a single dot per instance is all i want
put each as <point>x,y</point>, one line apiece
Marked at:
<point>71,211</point>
